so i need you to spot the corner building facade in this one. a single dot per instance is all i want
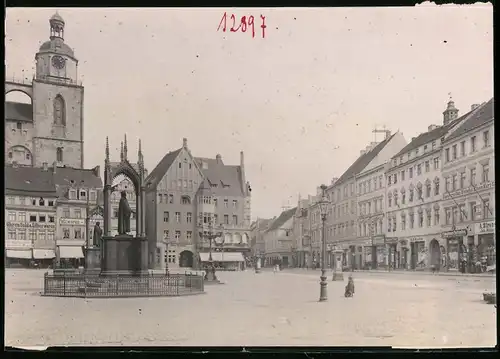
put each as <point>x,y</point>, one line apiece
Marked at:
<point>469,195</point>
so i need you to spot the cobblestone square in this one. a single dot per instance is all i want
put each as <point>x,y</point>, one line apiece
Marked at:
<point>261,309</point>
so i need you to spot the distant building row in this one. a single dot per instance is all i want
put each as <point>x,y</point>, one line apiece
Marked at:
<point>427,203</point>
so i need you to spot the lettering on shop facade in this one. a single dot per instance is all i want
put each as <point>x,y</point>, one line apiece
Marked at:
<point>72,221</point>
<point>469,190</point>
<point>24,225</point>
<point>378,240</point>
<point>485,227</point>
<point>416,239</point>
<point>455,233</point>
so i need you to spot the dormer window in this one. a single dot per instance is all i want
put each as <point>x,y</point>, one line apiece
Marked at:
<point>83,195</point>
<point>93,195</point>
<point>72,194</point>
<point>185,200</point>
<point>41,202</point>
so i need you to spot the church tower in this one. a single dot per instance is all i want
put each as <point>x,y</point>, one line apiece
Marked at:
<point>57,102</point>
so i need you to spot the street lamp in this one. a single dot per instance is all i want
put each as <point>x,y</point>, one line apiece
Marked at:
<point>323,206</point>
<point>211,235</point>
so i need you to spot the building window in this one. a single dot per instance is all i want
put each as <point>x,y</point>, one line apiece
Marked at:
<point>447,155</point>
<point>486,138</point>
<point>486,209</point>
<point>21,217</point>
<point>473,176</point>
<point>472,210</point>
<point>215,202</point>
<point>410,172</point>
<point>32,218</point>
<point>235,203</point>
<point>178,217</point>
<point>189,235</point>
<point>185,200</point>
<point>226,219</point>
<point>402,175</point>
<point>170,198</point>
<point>32,235</point>
<point>33,201</point>
<point>429,217</point>
<point>454,152</point>
<point>66,212</point>
<point>10,155</point>
<point>179,182</point>
<point>12,216</point>
<point>78,233</point>
<point>225,203</point>
<point>473,144</point>
<point>421,219</point>
<point>11,235</point>
<point>65,233</point>
<point>189,217</point>
<point>50,236</point>
<point>51,203</point>
<point>42,218</point>
<point>436,216</point>
<point>177,234</point>
<point>166,234</point>
<point>486,173</point>
<point>428,189</point>
<point>41,202</point>
<point>59,154</point>
<point>72,194</point>
<point>454,182</point>
<point>412,220</point>
<point>115,213</point>
<point>160,198</point>
<point>41,235</point>
<point>166,217</point>
<point>51,219</point>
<point>461,213</point>
<point>83,195</point>
<point>419,169</point>
<point>78,213</point>
<point>403,198</point>
<point>462,180</point>
<point>462,149</point>
<point>427,166</point>
<point>93,196</point>
<point>216,219</point>
<point>436,163</point>
<point>403,221</point>
<point>180,164</point>
<point>411,195</point>
<point>59,111</point>
<point>436,188</point>
<point>235,219</point>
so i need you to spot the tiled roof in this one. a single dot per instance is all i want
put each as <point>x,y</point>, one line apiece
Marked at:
<point>479,117</point>
<point>29,181</point>
<point>162,167</point>
<point>227,178</point>
<point>363,161</point>
<point>282,219</point>
<point>65,177</point>
<point>16,111</point>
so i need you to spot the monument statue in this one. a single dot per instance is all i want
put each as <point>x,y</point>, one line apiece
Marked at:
<point>97,235</point>
<point>124,213</point>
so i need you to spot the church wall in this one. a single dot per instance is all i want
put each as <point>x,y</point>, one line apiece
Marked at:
<point>23,138</point>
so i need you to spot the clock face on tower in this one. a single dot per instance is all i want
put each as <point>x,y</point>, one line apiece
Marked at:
<point>58,62</point>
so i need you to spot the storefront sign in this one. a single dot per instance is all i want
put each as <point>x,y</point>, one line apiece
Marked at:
<point>24,225</point>
<point>16,243</point>
<point>469,190</point>
<point>455,233</point>
<point>415,239</point>
<point>391,240</point>
<point>404,242</point>
<point>378,240</point>
<point>485,227</point>
<point>72,221</point>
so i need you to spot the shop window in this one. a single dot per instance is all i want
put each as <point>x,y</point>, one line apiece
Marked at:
<point>32,218</point>
<point>42,218</point>
<point>65,233</point>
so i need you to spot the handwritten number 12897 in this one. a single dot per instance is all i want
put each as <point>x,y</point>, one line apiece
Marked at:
<point>244,25</point>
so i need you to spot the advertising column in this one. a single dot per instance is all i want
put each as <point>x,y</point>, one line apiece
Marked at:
<point>486,244</point>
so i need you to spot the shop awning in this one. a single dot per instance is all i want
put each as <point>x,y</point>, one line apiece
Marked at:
<point>44,253</point>
<point>70,252</point>
<point>223,257</point>
<point>26,254</point>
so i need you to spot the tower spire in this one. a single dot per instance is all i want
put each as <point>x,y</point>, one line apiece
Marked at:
<point>121,152</point>
<point>107,149</point>
<point>125,148</point>
<point>139,153</point>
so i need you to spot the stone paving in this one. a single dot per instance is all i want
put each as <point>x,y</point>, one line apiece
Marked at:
<point>263,309</point>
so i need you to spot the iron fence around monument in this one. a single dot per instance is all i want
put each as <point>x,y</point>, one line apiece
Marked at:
<point>97,286</point>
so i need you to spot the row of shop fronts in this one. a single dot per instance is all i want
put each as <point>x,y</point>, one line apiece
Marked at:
<point>26,254</point>
<point>467,249</point>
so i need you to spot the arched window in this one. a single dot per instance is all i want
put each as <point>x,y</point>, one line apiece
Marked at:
<point>59,154</point>
<point>59,111</point>
<point>10,155</point>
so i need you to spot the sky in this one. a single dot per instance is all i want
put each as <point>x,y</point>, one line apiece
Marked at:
<point>301,102</point>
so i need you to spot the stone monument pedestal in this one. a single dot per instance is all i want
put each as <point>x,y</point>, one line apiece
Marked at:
<point>257,266</point>
<point>337,269</point>
<point>93,260</point>
<point>124,255</point>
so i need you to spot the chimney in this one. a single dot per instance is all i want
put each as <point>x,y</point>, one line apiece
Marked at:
<point>218,158</point>
<point>54,166</point>
<point>184,143</point>
<point>432,127</point>
<point>45,166</point>
<point>387,134</point>
<point>97,171</point>
<point>334,179</point>
<point>413,139</point>
<point>474,106</point>
<point>368,148</point>
<point>362,152</point>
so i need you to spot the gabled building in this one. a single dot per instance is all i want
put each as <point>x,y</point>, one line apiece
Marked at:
<point>30,216</point>
<point>187,197</point>
<point>302,224</point>
<point>279,239</point>
<point>414,194</point>
<point>257,230</point>
<point>344,199</point>
<point>468,170</point>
